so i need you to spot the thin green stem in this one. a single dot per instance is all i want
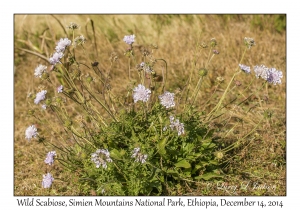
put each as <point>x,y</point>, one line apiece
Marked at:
<point>216,108</point>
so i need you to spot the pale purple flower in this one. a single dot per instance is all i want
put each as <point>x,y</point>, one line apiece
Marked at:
<point>140,93</point>
<point>62,44</point>
<point>177,125</point>
<point>44,106</point>
<point>216,52</point>
<point>167,99</point>
<point>274,76</point>
<point>56,58</point>
<point>47,180</point>
<point>245,68</point>
<point>40,70</point>
<point>50,157</point>
<point>60,89</point>
<point>31,132</point>
<point>261,71</point>
<point>101,157</point>
<point>135,152</point>
<point>129,39</point>
<point>40,96</point>
<point>139,157</point>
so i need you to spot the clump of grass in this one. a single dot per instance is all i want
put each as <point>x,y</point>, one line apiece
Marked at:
<point>149,139</point>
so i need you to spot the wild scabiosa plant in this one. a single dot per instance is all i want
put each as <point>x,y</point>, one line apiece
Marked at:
<point>154,143</point>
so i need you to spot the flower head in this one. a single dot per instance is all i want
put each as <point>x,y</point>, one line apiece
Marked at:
<point>38,72</point>
<point>47,180</point>
<point>249,42</point>
<point>31,132</point>
<point>177,125</point>
<point>50,157</point>
<point>140,93</point>
<point>167,99</point>
<point>40,96</point>
<point>62,44</point>
<point>274,76</point>
<point>213,42</point>
<point>73,26</point>
<point>79,40</point>
<point>245,68</point>
<point>139,157</point>
<point>261,71</point>
<point>216,52</point>
<point>101,157</point>
<point>60,89</point>
<point>129,39</point>
<point>56,58</point>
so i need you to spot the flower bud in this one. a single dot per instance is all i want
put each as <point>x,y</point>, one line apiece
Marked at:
<point>213,42</point>
<point>219,155</point>
<point>48,102</point>
<point>89,79</point>
<point>87,118</point>
<point>203,72</point>
<point>58,100</point>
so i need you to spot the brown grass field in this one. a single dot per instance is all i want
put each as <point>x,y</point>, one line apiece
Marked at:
<point>259,162</point>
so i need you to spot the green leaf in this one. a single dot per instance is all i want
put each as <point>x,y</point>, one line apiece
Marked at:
<point>115,154</point>
<point>172,172</point>
<point>214,162</point>
<point>161,146</point>
<point>183,164</point>
<point>208,145</point>
<point>208,176</point>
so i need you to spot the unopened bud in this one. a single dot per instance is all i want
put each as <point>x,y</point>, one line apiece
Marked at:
<point>202,72</point>
<point>213,42</point>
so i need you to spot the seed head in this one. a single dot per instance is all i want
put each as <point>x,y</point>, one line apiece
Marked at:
<point>249,42</point>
